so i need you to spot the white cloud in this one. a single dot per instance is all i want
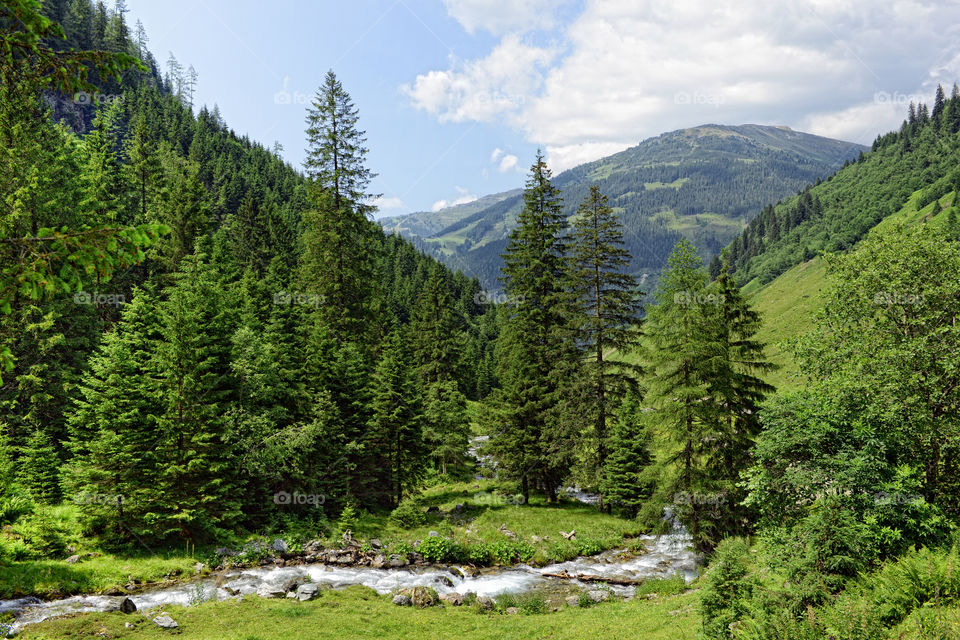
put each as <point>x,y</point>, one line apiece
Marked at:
<point>388,203</point>
<point>621,72</point>
<point>463,197</point>
<point>504,16</point>
<point>483,89</point>
<point>496,154</point>
<point>507,162</point>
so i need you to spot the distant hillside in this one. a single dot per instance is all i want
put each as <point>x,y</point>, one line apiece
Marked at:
<point>923,155</point>
<point>705,183</point>
<point>422,224</point>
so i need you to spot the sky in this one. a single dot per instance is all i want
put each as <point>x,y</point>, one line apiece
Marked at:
<point>456,96</point>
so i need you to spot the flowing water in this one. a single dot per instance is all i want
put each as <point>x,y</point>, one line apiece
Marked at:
<point>666,555</point>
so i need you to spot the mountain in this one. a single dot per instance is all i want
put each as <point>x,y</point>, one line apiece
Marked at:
<point>705,183</point>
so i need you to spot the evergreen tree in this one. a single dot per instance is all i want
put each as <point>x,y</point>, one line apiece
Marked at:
<point>435,335</point>
<point>606,311</point>
<point>527,445</point>
<point>396,424</point>
<point>339,254</point>
<point>624,482</point>
<point>39,468</point>
<point>446,431</point>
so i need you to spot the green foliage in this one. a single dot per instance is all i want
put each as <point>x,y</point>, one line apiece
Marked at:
<point>408,514</point>
<point>441,549</point>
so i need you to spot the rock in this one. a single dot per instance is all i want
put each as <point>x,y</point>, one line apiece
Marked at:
<point>113,591</point>
<point>225,552</point>
<point>454,599</point>
<point>401,600</point>
<point>313,548</point>
<point>307,591</point>
<point>485,603</point>
<point>573,601</point>
<point>421,596</point>
<point>444,580</point>
<point>291,595</point>
<point>510,534</point>
<point>128,606</point>
<point>73,559</point>
<point>165,622</point>
<point>597,595</point>
<point>537,539</point>
<point>197,568</point>
<point>511,611</point>
<point>128,625</point>
<point>349,540</point>
<point>572,535</point>
<point>416,558</point>
<point>434,534</point>
<point>398,561</point>
<point>280,546</point>
<point>457,571</point>
<point>271,591</point>
<point>348,557</point>
<point>376,544</point>
<point>378,561</point>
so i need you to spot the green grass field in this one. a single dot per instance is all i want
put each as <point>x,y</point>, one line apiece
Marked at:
<point>358,612</point>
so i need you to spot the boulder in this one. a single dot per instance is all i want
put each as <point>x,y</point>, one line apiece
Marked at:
<point>291,595</point>
<point>573,601</point>
<point>444,580</point>
<point>421,597</point>
<point>307,591</point>
<point>434,534</point>
<point>416,558</point>
<point>598,595</point>
<point>378,561</point>
<point>225,552</point>
<point>376,544</point>
<point>454,599</point>
<point>128,606</point>
<point>398,561</point>
<point>165,622</point>
<point>512,611</point>
<point>268,590</point>
<point>74,559</point>
<point>402,600</point>
<point>485,603</point>
<point>280,546</point>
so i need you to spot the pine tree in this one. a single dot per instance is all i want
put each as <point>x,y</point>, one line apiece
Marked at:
<point>606,310</point>
<point>106,190</point>
<point>938,105</point>
<point>435,335</point>
<point>624,482</point>
<point>142,168</point>
<point>339,253</point>
<point>396,424</point>
<point>446,431</point>
<point>681,346</point>
<point>532,344</point>
<point>39,468</point>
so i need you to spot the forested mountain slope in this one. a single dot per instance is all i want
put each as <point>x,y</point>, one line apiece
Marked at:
<point>703,183</point>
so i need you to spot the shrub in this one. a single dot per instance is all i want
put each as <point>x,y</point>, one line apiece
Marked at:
<point>440,549</point>
<point>408,514</point>
<point>728,587</point>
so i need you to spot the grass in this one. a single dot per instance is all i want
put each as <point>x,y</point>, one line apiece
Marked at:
<point>358,612</point>
<point>490,504</point>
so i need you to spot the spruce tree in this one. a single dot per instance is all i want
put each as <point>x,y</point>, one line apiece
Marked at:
<point>527,443</point>
<point>624,483</point>
<point>605,311</point>
<point>339,253</point>
<point>446,426</point>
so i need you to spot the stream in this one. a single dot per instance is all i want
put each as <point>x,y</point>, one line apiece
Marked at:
<point>665,556</point>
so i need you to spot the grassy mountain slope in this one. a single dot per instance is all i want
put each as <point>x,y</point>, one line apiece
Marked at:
<point>703,183</point>
<point>422,224</point>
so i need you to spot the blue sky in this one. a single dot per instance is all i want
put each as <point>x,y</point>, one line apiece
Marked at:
<point>456,95</point>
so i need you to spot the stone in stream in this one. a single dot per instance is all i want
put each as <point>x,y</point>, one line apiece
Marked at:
<point>598,595</point>
<point>307,591</point>
<point>165,622</point>
<point>401,600</point>
<point>128,606</point>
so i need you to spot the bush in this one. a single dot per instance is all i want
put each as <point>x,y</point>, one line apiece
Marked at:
<point>408,514</point>
<point>440,549</point>
<point>728,587</point>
